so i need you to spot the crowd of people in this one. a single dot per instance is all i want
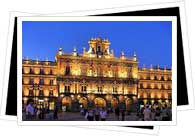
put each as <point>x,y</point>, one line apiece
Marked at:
<point>32,112</point>
<point>144,113</point>
<point>101,113</point>
<point>154,113</point>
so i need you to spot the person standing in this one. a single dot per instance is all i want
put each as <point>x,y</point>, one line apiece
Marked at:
<point>97,114</point>
<point>157,115</point>
<point>165,114</point>
<point>103,115</point>
<point>89,115</point>
<point>123,115</point>
<point>117,112</point>
<point>55,115</point>
<point>147,114</point>
<point>30,111</point>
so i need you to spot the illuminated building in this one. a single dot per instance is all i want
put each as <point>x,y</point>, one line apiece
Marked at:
<point>94,78</point>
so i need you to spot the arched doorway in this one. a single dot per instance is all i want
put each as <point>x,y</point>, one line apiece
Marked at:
<point>66,103</point>
<point>114,102</point>
<point>128,103</point>
<point>100,102</point>
<point>83,101</point>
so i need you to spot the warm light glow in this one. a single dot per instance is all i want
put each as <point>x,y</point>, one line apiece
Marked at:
<point>159,86</point>
<point>152,95</point>
<point>159,95</point>
<point>152,85</point>
<point>46,92</point>
<point>25,92</point>
<point>25,100</point>
<point>37,71</point>
<point>46,81</point>
<point>145,101</point>
<point>89,72</point>
<point>115,68</point>
<point>46,71</point>
<point>61,88</point>
<point>36,80</point>
<point>123,74</point>
<point>55,93</point>
<point>152,77</point>
<point>144,85</point>
<point>145,95</point>
<point>26,70</point>
<point>26,80</point>
<point>109,74</point>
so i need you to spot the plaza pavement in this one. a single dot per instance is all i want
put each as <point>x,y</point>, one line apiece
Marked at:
<point>76,116</point>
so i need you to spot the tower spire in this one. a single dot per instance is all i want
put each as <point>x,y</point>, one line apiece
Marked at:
<point>134,56</point>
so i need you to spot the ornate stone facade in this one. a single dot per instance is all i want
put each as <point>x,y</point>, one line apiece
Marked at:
<point>95,77</point>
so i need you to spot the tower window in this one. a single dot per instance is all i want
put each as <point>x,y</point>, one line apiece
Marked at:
<point>99,49</point>
<point>67,72</point>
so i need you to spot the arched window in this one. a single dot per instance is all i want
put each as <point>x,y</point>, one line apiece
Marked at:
<point>99,49</point>
<point>162,78</point>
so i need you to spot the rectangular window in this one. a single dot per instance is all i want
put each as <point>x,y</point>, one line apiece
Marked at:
<point>30,92</point>
<point>67,88</point>
<point>115,90</point>
<point>31,81</point>
<point>51,93</point>
<point>51,82</point>
<point>84,88</point>
<point>41,81</point>
<point>41,71</point>
<point>99,89</point>
<point>41,92</point>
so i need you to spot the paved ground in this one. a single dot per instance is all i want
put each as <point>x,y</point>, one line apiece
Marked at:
<point>72,116</point>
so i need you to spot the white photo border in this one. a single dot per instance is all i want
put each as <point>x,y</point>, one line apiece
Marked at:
<point>8,64</point>
<point>90,18</point>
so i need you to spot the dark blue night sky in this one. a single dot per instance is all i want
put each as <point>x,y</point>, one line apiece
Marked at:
<point>151,40</point>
